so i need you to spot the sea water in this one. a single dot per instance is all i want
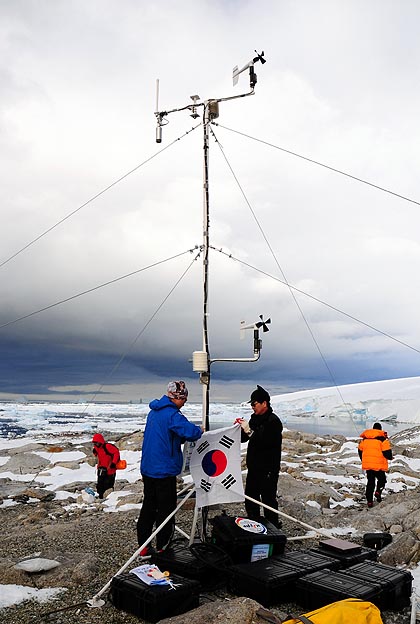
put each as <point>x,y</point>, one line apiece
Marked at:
<point>28,419</point>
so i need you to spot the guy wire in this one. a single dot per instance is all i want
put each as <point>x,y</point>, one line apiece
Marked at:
<point>89,201</point>
<point>284,278</point>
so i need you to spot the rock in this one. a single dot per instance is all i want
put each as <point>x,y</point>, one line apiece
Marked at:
<point>28,448</point>
<point>70,465</point>
<point>36,565</point>
<point>9,575</point>
<point>236,611</point>
<point>40,493</point>
<point>404,549</point>
<point>395,528</point>
<point>85,571</point>
<point>131,499</point>
<point>35,516</point>
<point>25,463</point>
<point>131,442</point>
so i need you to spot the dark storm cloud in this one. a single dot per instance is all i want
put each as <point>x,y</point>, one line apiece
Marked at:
<point>77,112</point>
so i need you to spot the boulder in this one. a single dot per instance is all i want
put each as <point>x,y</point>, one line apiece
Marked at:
<point>9,575</point>
<point>236,611</point>
<point>28,448</point>
<point>25,463</point>
<point>85,571</point>
<point>40,493</point>
<point>403,550</point>
<point>37,564</point>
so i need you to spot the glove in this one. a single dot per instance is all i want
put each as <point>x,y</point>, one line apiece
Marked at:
<point>112,465</point>
<point>244,425</point>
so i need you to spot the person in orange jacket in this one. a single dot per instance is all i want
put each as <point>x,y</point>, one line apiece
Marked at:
<point>108,456</point>
<point>375,451</point>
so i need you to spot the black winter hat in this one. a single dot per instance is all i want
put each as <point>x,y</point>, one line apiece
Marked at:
<point>260,395</point>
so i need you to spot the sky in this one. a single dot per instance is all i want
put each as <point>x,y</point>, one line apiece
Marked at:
<point>77,102</point>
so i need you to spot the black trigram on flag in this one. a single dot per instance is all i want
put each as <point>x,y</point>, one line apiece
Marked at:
<point>228,481</point>
<point>203,446</point>
<point>205,485</point>
<point>226,441</point>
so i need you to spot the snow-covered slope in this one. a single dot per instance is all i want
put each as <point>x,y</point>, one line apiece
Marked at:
<point>374,400</point>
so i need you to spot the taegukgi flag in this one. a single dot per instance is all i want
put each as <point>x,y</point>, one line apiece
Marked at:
<point>215,465</point>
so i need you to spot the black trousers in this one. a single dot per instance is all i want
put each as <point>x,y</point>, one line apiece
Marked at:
<point>105,482</point>
<point>374,476</point>
<point>159,500</point>
<point>262,487</point>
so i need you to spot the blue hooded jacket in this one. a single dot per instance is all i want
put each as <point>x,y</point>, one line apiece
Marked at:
<point>166,429</point>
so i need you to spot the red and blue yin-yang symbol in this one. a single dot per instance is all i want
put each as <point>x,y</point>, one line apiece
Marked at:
<point>214,463</point>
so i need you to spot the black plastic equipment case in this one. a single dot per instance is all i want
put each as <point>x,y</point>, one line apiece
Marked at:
<point>238,543</point>
<point>396,584</point>
<point>325,586</point>
<point>349,559</point>
<point>377,540</point>
<point>268,581</point>
<point>308,561</point>
<point>153,602</point>
<point>210,570</point>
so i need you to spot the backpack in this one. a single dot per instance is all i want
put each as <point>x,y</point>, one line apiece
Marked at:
<point>112,454</point>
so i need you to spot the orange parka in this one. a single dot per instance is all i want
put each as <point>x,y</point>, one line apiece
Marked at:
<point>374,450</point>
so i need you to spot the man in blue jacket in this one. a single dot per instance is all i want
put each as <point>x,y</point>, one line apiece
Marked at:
<point>161,462</point>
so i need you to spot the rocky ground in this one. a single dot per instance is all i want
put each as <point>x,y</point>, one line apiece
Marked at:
<point>91,545</point>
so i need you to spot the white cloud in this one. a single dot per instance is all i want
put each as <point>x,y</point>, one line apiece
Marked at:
<point>78,89</point>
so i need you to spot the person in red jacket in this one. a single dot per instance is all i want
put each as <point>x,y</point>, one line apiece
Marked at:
<point>108,455</point>
<point>375,451</point>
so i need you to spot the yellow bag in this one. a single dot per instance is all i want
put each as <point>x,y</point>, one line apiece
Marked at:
<point>349,611</point>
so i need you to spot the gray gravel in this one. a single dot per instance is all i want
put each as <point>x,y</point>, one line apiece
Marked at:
<point>108,539</point>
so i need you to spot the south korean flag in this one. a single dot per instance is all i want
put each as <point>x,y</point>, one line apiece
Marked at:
<point>215,465</point>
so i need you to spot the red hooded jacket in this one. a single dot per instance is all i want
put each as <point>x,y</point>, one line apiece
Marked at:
<point>108,455</point>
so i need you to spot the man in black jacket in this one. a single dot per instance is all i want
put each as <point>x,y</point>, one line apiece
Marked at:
<point>264,436</point>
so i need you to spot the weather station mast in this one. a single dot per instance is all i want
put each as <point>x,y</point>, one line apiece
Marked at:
<point>201,359</point>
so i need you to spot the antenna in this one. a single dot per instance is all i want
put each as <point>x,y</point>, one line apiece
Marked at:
<point>157,95</point>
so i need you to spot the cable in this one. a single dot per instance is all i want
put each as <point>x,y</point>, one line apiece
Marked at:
<point>284,277</point>
<point>46,614</point>
<point>320,164</point>
<point>117,279</point>
<point>122,357</point>
<point>89,201</point>
<point>130,346</point>
<point>328,305</point>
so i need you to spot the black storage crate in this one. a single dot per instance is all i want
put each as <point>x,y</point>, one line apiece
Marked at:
<point>325,586</point>
<point>347,560</point>
<point>268,581</point>
<point>308,561</point>
<point>238,543</point>
<point>396,584</point>
<point>377,540</point>
<point>153,602</point>
<point>209,569</point>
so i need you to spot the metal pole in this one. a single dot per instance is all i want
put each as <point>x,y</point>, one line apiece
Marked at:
<point>205,377</point>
